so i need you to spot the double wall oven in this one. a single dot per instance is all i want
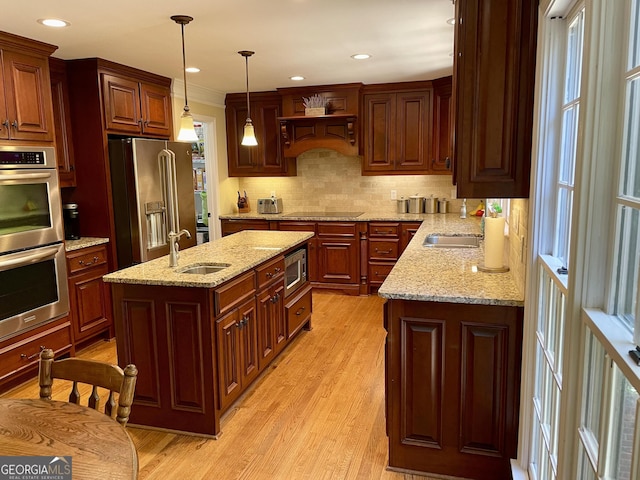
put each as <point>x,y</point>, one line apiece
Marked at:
<point>33,276</point>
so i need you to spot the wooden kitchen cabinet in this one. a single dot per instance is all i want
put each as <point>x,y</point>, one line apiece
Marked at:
<point>398,128</point>
<point>89,298</point>
<point>452,387</point>
<point>384,251</point>
<point>237,350</point>
<point>338,256</point>
<point>407,231</point>
<point>272,330</point>
<point>442,158</point>
<point>62,123</point>
<point>135,106</point>
<point>230,226</point>
<point>298,311</point>
<point>19,355</point>
<point>26,112</point>
<point>494,76</point>
<point>266,158</point>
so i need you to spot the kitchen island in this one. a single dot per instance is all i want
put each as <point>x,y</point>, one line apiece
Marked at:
<point>199,340</point>
<point>453,356</point>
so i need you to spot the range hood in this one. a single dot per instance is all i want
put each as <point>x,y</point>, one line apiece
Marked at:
<point>336,130</point>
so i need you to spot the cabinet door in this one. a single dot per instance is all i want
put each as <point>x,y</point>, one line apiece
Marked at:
<point>443,127</point>
<point>278,316</point>
<point>121,97</point>
<point>229,358</point>
<point>248,321</point>
<point>240,158</point>
<point>62,124</point>
<point>266,328</point>
<point>338,260</point>
<point>413,131</point>
<point>409,229</point>
<point>155,103</point>
<point>90,303</point>
<point>27,97</point>
<point>379,132</point>
<point>495,77</point>
<point>269,155</point>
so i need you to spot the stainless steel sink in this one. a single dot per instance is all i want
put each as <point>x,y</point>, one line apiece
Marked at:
<point>452,241</point>
<point>204,268</point>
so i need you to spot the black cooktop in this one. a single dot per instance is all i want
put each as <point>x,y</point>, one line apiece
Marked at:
<point>323,214</point>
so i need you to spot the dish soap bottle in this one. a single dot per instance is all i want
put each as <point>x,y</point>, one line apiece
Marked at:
<point>463,209</point>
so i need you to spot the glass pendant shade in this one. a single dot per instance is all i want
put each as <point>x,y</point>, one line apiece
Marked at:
<point>187,131</point>
<point>249,138</point>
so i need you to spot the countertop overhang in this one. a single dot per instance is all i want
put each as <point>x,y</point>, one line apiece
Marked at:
<point>242,251</point>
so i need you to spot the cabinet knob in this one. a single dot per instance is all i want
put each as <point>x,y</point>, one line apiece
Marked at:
<point>269,274</point>
<point>14,124</point>
<point>299,312</point>
<point>6,123</point>
<point>32,356</point>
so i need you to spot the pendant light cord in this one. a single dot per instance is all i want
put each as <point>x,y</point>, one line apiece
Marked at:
<point>184,71</point>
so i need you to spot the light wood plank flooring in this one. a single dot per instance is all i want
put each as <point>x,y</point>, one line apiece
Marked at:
<point>316,413</point>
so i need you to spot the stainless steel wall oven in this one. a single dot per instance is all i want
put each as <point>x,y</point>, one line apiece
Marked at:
<point>33,276</point>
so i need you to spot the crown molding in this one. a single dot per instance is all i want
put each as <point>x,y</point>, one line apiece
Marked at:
<point>197,93</point>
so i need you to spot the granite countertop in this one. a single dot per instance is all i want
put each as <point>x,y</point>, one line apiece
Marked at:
<point>347,216</point>
<point>242,251</point>
<point>83,242</point>
<point>448,274</point>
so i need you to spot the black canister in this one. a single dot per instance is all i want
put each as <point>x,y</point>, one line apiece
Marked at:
<point>71,221</point>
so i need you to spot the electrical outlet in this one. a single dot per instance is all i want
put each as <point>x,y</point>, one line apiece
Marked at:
<point>273,193</point>
<point>394,195</point>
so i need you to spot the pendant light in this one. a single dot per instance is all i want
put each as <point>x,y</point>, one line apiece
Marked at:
<point>249,137</point>
<point>187,133</point>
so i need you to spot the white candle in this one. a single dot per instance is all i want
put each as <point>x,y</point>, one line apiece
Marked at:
<point>493,242</point>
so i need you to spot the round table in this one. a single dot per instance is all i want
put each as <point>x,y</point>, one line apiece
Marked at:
<point>99,446</point>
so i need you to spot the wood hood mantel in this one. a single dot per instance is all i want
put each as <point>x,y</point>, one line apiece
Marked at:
<point>337,130</point>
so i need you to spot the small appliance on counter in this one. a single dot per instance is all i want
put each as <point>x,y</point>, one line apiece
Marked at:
<point>270,205</point>
<point>71,217</point>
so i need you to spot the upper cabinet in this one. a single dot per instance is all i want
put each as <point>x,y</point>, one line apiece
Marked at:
<point>62,123</point>
<point>442,126</point>
<point>398,128</point>
<point>266,158</point>
<point>25,93</point>
<point>494,85</point>
<point>135,105</point>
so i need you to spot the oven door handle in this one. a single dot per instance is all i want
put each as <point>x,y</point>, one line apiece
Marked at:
<point>24,176</point>
<point>21,258</point>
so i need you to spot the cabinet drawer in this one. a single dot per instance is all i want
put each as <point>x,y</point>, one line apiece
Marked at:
<point>336,229</point>
<point>383,249</point>
<point>86,258</point>
<point>298,311</point>
<point>270,271</point>
<point>297,226</point>
<point>378,272</point>
<point>25,353</point>
<point>234,292</point>
<point>384,229</point>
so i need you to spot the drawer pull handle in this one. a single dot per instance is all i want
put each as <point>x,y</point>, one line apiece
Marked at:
<point>31,357</point>
<point>269,275</point>
<point>277,270</point>
<point>383,252</point>
<point>87,264</point>
<point>299,312</point>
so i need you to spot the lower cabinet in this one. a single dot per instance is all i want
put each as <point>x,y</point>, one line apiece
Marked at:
<point>452,387</point>
<point>230,226</point>
<point>387,241</point>
<point>198,349</point>
<point>237,351</point>
<point>89,297</point>
<point>338,256</point>
<point>19,355</point>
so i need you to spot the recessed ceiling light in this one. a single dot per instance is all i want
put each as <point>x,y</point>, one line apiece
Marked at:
<point>192,69</point>
<point>451,21</point>
<point>361,56</point>
<point>296,78</point>
<point>53,22</point>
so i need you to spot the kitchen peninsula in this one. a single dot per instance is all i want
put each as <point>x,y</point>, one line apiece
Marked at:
<point>453,356</point>
<point>199,340</point>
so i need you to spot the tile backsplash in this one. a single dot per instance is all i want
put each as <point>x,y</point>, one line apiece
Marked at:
<point>330,181</point>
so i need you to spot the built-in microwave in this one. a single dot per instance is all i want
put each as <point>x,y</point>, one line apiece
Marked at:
<point>295,271</point>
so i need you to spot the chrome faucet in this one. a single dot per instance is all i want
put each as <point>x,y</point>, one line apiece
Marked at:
<point>174,238</point>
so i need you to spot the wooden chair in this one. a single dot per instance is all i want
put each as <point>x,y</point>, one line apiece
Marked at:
<point>97,374</point>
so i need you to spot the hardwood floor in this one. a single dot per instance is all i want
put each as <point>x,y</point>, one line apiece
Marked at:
<point>316,413</point>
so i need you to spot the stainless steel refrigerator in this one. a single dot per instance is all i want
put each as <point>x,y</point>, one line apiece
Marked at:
<point>143,179</point>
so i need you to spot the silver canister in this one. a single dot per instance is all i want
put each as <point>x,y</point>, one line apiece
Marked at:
<point>416,204</point>
<point>431,205</point>
<point>442,205</point>
<point>402,205</point>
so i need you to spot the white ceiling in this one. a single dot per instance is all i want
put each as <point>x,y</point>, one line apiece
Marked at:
<point>408,39</point>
